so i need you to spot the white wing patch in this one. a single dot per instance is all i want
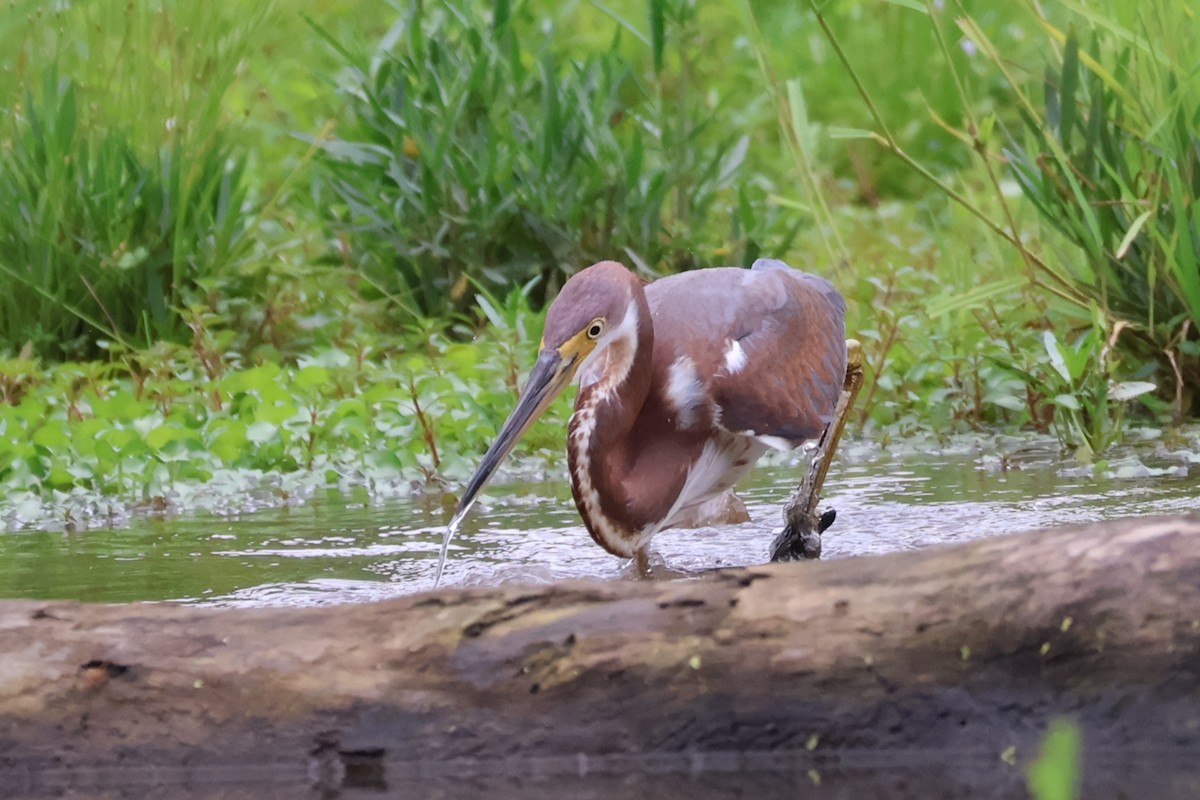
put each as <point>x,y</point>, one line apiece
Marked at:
<point>735,357</point>
<point>684,391</point>
<point>776,443</point>
<point>726,457</point>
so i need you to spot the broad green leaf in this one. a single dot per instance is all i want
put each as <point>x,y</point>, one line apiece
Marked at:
<point>260,432</point>
<point>174,451</point>
<point>230,441</point>
<point>121,439</point>
<point>1068,401</point>
<point>275,413</point>
<point>310,376</point>
<point>52,437</point>
<point>1009,401</point>
<point>1056,357</point>
<point>1130,389</point>
<point>163,435</point>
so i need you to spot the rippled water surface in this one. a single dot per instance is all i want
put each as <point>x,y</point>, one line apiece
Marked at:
<point>345,549</point>
<point>348,549</point>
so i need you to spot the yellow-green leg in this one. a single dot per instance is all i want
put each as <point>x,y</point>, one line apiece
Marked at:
<point>801,535</point>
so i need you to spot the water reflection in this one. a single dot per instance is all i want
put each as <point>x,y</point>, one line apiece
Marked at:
<point>1162,774</point>
<point>339,550</point>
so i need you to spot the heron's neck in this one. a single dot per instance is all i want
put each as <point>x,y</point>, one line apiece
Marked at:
<point>598,439</point>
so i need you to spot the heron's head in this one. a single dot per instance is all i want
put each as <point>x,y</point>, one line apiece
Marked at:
<point>594,310</point>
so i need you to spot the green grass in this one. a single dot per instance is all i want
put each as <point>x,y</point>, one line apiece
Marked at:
<point>279,262</point>
<point>1110,164</point>
<point>121,181</point>
<point>480,153</point>
<point>1110,157</point>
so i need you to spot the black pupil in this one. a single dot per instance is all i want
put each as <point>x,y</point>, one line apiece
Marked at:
<point>594,331</point>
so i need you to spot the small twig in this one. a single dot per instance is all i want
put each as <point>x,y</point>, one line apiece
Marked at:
<point>886,348</point>
<point>1177,411</point>
<point>99,302</point>
<point>426,425</point>
<point>865,412</point>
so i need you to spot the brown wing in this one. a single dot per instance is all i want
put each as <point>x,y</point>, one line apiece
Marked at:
<point>768,345</point>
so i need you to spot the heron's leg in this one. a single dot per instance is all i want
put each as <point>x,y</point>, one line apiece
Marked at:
<point>641,560</point>
<point>801,536</point>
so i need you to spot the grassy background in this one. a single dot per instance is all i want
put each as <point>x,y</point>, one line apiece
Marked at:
<point>198,206</point>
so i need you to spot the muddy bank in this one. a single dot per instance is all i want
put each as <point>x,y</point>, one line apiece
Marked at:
<point>966,649</point>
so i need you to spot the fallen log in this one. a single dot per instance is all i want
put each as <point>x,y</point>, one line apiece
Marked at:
<point>969,649</point>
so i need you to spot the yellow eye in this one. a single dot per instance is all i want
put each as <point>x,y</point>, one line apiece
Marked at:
<point>595,329</point>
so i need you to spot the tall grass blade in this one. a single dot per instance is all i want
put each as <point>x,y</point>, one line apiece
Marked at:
<point>658,35</point>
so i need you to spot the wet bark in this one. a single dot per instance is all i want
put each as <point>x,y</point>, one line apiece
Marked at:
<point>969,648</point>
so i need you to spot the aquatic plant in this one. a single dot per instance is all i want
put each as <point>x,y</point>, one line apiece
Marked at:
<point>1075,381</point>
<point>108,220</point>
<point>81,444</point>
<point>1055,774</point>
<point>1111,160</point>
<point>479,154</point>
<point>1152,301</point>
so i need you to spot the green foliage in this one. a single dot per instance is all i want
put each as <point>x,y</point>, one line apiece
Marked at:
<point>122,184</point>
<point>1056,772</point>
<point>479,153</point>
<point>936,343</point>
<point>1076,379</point>
<point>96,238</point>
<point>1119,183</point>
<point>1112,161</point>
<point>148,196</point>
<point>912,82</point>
<point>143,430</point>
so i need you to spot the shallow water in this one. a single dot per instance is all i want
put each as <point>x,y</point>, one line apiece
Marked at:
<point>340,549</point>
<point>1144,773</point>
<point>344,549</point>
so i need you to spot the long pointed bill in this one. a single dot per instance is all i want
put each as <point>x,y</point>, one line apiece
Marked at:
<point>549,377</point>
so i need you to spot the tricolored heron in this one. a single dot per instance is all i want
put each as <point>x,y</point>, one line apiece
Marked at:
<point>683,384</point>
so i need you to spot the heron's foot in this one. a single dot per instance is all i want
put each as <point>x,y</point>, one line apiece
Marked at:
<point>647,567</point>
<point>800,540</point>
